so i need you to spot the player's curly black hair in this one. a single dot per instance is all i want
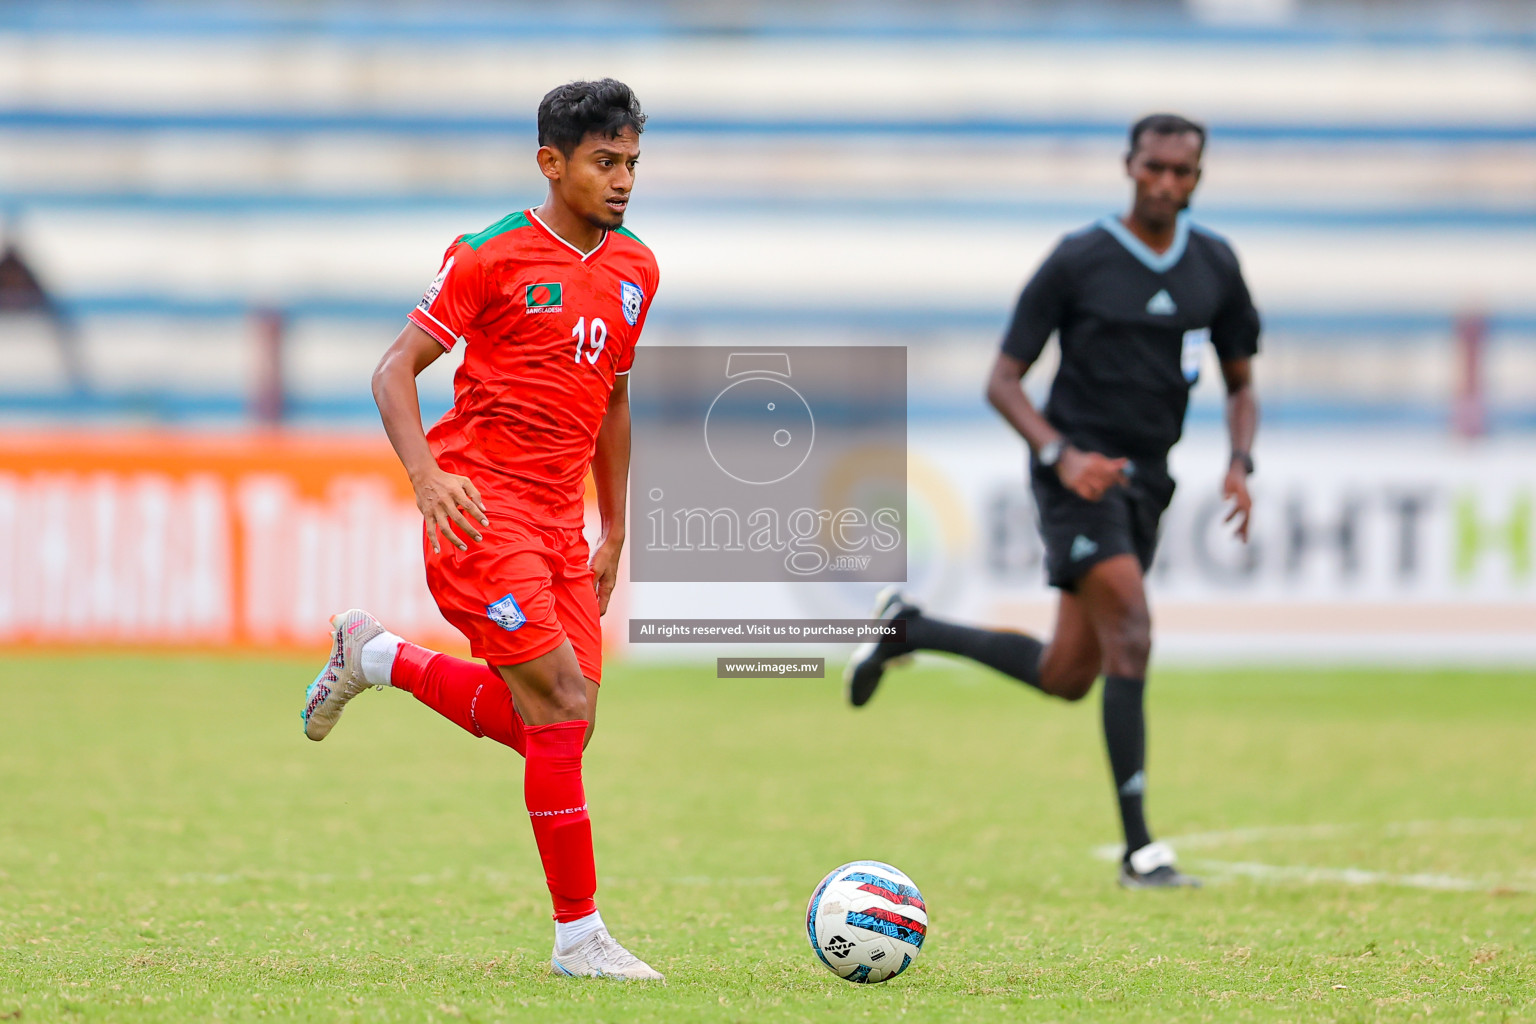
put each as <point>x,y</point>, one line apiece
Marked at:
<point>1165,124</point>
<point>570,112</point>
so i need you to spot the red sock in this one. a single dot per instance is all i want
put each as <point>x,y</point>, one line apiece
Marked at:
<point>557,805</point>
<point>470,695</point>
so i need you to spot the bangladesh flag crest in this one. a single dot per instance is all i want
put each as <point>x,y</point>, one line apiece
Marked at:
<point>542,298</point>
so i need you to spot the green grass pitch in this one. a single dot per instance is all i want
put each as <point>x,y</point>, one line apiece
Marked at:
<point>172,848</point>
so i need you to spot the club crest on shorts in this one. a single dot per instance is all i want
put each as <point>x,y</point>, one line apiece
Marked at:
<point>506,614</point>
<point>632,297</point>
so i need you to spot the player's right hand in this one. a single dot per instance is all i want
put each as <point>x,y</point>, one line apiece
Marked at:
<point>1089,474</point>
<point>443,499</point>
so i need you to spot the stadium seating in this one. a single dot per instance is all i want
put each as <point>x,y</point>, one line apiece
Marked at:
<point>169,177</point>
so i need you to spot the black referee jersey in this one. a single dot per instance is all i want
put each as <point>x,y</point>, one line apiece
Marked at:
<point>1132,324</point>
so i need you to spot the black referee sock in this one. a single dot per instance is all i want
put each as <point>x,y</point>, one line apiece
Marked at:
<point>1013,654</point>
<point>1125,734</point>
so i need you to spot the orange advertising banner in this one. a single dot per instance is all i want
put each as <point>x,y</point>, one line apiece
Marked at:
<point>244,541</point>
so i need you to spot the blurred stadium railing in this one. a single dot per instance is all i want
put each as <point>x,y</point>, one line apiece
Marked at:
<point>232,208</point>
<point>168,172</point>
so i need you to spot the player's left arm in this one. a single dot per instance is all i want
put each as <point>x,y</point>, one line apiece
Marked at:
<point>610,472</point>
<point>1242,425</point>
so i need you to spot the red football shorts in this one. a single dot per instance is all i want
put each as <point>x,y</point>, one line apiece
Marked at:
<point>519,593</point>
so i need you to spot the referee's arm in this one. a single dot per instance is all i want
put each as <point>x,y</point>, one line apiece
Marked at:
<point>1242,425</point>
<point>1087,474</point>
<point>1235,334</point>
<point>1041,308</point>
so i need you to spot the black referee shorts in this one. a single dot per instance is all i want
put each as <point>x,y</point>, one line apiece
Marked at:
<point>1080,534</point>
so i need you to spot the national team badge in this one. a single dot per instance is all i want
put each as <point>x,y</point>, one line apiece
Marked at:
<point>542,298</point>
<point>632,298</point>
<point>505,613</point>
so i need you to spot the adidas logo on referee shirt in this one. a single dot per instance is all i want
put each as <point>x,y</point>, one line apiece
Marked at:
<point>1162,304</point>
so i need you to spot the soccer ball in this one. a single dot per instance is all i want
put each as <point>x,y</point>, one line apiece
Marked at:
<point>866,921</point>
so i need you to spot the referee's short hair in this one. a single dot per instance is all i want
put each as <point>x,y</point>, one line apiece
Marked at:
<point>1165,124</point>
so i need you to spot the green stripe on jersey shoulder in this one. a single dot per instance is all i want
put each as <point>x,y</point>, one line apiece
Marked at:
<point>511,222</point>
<point>630,235</point>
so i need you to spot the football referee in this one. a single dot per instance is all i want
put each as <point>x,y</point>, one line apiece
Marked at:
<point>1134,301</point>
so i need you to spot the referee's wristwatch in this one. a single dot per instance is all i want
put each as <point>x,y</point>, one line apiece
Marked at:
<point>1243,459</point>
<point>1050,453</point>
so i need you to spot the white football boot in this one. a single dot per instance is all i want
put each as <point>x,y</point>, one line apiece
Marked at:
<point>341,679</point>
<point>599,955</point>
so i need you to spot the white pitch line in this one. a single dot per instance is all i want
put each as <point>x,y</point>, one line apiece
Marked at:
<point>1260,833</point>
<point>1257,833</point>
<point>1347,876</point>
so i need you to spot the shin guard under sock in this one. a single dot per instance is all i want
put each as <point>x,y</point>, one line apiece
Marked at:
<point>557,806</point>
<point>470,695</point>
<point>1125,735</point>
<point>1013,654</point>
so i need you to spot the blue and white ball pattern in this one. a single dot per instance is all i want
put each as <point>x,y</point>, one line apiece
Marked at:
<point>866,922</point>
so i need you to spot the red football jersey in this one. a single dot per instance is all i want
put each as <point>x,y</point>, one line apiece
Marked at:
<point>547,330</point>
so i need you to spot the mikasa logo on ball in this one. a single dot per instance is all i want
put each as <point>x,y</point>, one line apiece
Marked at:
<point>631,297</point>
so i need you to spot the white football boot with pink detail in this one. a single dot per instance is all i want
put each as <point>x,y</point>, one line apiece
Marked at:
<point>601,956</point>
<point>341,679</point>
